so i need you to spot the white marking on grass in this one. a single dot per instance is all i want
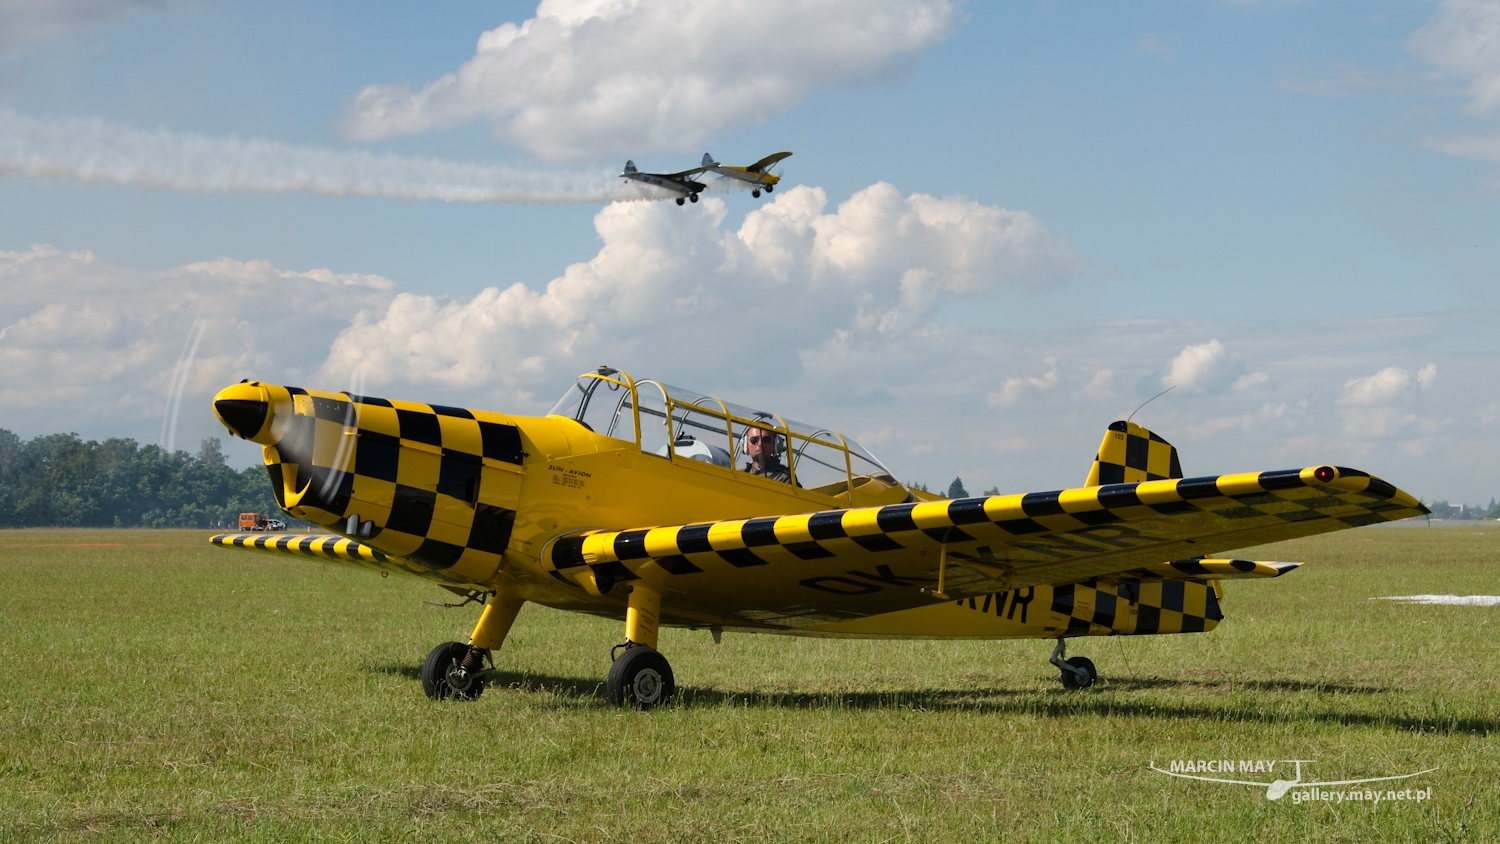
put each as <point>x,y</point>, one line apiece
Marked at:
<point>1456,600</point>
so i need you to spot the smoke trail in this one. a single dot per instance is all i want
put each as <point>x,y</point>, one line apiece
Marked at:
<point>179,383</point>
<point>91,150</point>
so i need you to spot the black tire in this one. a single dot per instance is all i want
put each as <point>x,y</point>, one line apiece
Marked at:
<point>769,188</point>
<point>755,193</point>
<point>680,200</point>
<point>1071,680</point>
<point>694,197</point>
<point>642,678</point>
<point>437,679</point>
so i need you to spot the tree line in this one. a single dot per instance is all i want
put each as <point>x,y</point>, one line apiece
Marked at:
<point>60,480</point>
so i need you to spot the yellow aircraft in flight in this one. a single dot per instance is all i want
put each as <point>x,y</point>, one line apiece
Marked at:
<point>758,175</point>
<point>658,506</point>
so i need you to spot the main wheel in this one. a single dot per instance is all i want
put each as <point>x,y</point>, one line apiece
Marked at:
<point>755,193</point>
<point>641,677</point>
<point>694,197</point>
<point>680,200</point>
<point>769,188</point>
<point>442,677</point>
<point>1070,680</point>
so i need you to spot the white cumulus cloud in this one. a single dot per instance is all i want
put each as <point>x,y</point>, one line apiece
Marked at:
<point>1375,406</point>
<point>673,287</point>
<point>1463,40</point>
<point>1392,385</point>
<point>1209,368</point>
<point>87,346</point>
<point>590,77</point>
<point>1015,388</point>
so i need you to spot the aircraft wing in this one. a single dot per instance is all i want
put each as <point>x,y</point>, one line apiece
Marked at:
<point>807,569</point>
<point>684,175</point>
<point>329,549</point>
<point>769,161</point>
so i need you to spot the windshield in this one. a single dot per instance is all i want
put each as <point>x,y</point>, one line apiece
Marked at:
<point>681,425</point>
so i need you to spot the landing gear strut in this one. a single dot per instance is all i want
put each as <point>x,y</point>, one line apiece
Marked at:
<point>1078,672</point>
<point>640,676</point>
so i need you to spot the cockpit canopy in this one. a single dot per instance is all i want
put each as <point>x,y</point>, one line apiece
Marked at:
<point>681,425</point>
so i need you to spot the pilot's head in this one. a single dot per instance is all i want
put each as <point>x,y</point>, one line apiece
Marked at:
<point>763,447</point>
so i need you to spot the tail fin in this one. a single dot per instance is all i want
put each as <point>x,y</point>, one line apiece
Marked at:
<point>708,160</point>
<point>630,167</point>
<point>1130,454</point>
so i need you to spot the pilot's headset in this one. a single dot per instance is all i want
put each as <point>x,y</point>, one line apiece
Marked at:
<point>778,446</point>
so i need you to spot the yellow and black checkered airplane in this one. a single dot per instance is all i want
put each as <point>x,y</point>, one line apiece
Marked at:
<point>657,506</point>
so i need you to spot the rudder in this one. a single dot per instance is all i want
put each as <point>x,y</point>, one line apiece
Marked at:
<point>1131,454</point>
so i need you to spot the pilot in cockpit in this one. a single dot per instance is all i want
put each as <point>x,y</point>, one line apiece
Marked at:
<point>764,449</point>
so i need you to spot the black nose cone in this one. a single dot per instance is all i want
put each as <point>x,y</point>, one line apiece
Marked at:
<point>244,417</point>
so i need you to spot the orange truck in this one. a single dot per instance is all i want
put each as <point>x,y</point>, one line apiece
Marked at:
<point>260,521</point>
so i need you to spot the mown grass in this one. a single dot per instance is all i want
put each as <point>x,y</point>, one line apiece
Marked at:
<point>161,688</point>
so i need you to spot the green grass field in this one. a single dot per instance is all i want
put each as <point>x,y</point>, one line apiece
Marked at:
<point>154,687</point>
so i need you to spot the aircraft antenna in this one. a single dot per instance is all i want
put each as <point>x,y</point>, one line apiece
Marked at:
<point>1150,400</point>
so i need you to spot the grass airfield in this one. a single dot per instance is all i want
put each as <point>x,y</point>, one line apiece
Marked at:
<point>154,687</point>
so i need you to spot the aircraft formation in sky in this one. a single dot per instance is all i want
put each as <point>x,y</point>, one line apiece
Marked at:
<point>684,184</point>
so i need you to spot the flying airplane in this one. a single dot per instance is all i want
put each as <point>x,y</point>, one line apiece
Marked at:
<point>758,175</point>
<point>683,184</point>
<point>658,506</point>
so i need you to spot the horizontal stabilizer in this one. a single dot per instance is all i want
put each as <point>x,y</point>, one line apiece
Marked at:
<point>1214,569</point>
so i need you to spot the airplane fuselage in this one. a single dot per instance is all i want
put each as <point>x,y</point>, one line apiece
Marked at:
<point>684,187</point>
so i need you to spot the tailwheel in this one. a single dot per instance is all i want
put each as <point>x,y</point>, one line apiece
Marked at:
<point>640,677</point>
<point>1078,672</point>
<point>1082,676</point>
<point>680,200</point>
<point>755,193</point>
<point>454,670</point>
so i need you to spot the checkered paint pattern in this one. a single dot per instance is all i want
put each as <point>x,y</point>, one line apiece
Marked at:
<point>1131,454</point>
<point>1105,608</point>
<point>1065,536</point>
<point>418,474</point>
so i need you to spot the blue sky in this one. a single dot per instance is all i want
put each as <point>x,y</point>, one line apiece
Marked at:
<point>1287,209</point>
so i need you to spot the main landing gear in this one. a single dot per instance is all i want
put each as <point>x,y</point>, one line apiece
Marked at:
<point>755,193</point>
<point>457,671</point>
<point>1078,672</point>
<point>641,676</point>
<point>680,200</point>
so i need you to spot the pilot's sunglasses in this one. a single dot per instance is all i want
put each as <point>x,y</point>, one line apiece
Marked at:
<point>756,440</point>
